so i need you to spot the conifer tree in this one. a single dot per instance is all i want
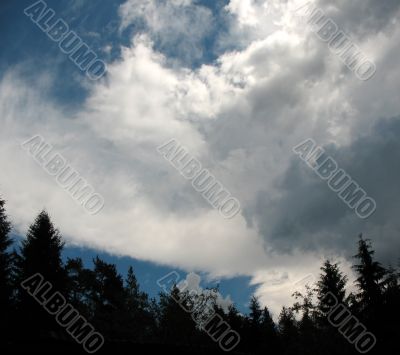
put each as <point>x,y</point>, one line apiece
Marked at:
<point>270,335</point>
<point>5,268</point>
<point>371,274</point>
<point>288,329</point>
<point>108,299</point>
<point>139,317</point>
<point>331,281</point>
<point>176,325</point>
<point>40,253</point>
<point>5,256</point>
<point>81,286</point>
<point>255,335</point>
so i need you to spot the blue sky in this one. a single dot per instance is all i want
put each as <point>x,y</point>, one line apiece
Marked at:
<point>238,84</point>
<point>148,273</point>
<point>29,47</point>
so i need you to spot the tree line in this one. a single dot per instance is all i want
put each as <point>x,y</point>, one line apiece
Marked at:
<point>130,320</point>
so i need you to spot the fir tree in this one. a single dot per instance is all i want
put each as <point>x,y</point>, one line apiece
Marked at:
<point>370,280</point>
<point>5,269</point>
<point>332,281</point>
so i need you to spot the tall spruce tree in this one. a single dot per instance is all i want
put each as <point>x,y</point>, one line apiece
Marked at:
<point>255,334</point>
<point>255,311</point>
<point>307,324</point>
<point>81,286</point>
<point>176,325</point>
<point>40,253</point>
<point>109,299</point>
<point>5,256</point>
<point>390,331</point>
<point>371,276</point>
<point>333,281</point>
<point>5,269</point>
<point>288,330</point>
<point>270,335</point>
<point>139,318</point>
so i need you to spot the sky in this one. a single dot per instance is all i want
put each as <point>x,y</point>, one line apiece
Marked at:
<point>239,84</point>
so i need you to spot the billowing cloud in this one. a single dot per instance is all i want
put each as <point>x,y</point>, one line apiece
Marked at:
<point>240,117</point>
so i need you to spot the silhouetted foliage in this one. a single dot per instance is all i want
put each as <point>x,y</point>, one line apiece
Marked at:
<point>331,280</point>
<point>5,269</point>
<point>371,276</point>
<point>177,321</point>
<point>288,330</point>
<point>40,253</point>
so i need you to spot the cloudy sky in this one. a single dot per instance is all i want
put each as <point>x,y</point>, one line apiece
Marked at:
<point>239,83</point>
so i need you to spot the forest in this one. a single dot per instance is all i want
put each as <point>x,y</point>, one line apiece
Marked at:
<point>129,320</point>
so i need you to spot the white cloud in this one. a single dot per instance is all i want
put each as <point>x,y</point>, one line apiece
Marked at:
<point>192,284</point>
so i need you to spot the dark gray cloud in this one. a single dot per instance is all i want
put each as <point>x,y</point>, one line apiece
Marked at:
<point>310,216</point>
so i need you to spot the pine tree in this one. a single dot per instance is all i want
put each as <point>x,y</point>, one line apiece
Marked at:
<point>267,323</point>
<point>136,299</point>
<point>307,325</point>
<point>108,298</point>
<point>235,319</point>
<point>288,330</point>
<point>331,281</point>
<point>5,269</point>
<point>176,325</point>
<point>109,285</point>
<point>255,335</point>
<point>255,311</point>
<point>40,253</point>
<point>389,316</point>
<point>81,286</point>
<point>370,280</point>
<point>5,256</point>
<point>270,335</point>
<point>139,317</point>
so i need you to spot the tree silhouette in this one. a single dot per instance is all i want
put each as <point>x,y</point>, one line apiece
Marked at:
<point>255,332</point>
<point>177,321</point>
<point>331,281</point>
<point>81,286</point>
<point>255,312</point>
<point>390,315</point>
<point>5,269</point>
<point>40,253</point>
<point>108,299</point>
<point>139,316</point>
<point>235,319</point>
<point>176,325</point>
<point>269,333</point>
<point>370,280</point>
<point>307,325</point>
<point>288,330</point>
<point>371,283</point>
<point>375,283</point>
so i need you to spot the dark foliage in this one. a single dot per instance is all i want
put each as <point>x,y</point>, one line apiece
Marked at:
<point>175,322</point>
